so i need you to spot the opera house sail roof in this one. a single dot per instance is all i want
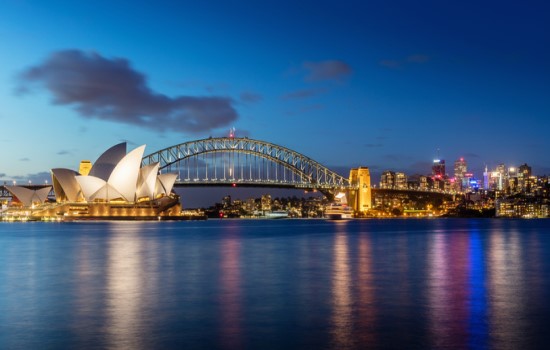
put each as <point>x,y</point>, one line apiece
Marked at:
<point>116,187</point>
<point>115,176</point>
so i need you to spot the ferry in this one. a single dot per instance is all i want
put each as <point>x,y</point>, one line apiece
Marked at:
<point>338,211</point>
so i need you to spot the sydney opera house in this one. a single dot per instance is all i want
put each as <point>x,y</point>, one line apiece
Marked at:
<point>116,186</point>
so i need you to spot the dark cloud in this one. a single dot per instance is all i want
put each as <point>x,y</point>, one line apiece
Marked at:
<point>304,93</point>
<point>63,152</point>
<point>250,97</point>
<point>24,159</point>
<point>110,89</point>
<point>471,155</point>
<point>2,174</point>
<point>326,70</point>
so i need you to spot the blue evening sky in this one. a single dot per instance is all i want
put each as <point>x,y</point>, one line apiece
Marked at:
<point>382,84</point>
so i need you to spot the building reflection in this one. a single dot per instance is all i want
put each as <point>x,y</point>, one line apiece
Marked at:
<point>366,293</point>
<point>230,293</point>
<point>506,289</point>
<point>477,324</point>
<point>341,290</point>
<point>125,288</point>
<point>448,290</point>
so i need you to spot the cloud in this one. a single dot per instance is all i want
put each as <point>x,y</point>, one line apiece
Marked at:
<point>326,70</point>
<point>2,174</point>
<point>471,155</point>
<point>63,152</point>
<point>250,97</point>
<point>303,94</point>
<point>24,159</point>
<point>110,89</point>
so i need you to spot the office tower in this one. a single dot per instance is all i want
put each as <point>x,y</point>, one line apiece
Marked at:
<point>438,168</point>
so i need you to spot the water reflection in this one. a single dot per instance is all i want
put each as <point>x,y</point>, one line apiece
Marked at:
<point>366,287</point>
<point>125,283</point>
<point>478,330</point>
<point>230,293</point>
<point>342,301</point>
<point>291,284</point>
<point>506,290</point>
<point>448,292</point>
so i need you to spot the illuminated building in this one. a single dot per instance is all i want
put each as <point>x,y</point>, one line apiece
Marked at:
<point>85,167</point>
<point>116,187</point>
<point>461,168</point>
<point>393,180</point>
<point>438,168</point>
<point>360,200</point>
<point>28,197</point>
<point>387,179</point>
<point>522,208</point>
<point>266,202</point>
<point>524,172</point>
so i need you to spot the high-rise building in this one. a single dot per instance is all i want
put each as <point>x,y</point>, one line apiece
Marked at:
<point>461,168</point>
<point>486,179</point>
<point>438,168</point>
<point>524,173</point>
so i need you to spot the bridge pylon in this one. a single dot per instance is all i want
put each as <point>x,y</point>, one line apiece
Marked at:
<point>360,194</point>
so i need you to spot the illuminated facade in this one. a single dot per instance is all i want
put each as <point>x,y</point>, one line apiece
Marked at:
<point>438,168</point>
<point>115,186</point>
<point>360,200</point>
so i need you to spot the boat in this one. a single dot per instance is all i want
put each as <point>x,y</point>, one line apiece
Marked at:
<point>338,211</point>
<point>276,214</point>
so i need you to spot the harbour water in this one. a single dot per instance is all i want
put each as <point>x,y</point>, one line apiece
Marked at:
<point>286,284</point>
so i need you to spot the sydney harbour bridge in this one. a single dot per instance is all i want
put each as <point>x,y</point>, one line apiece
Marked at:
<point>231,161</point>
<point>244,162</point>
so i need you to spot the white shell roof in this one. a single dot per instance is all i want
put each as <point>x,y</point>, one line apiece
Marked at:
<point>105,164</point>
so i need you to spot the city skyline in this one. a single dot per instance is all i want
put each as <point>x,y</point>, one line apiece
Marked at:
<point>379,85</point>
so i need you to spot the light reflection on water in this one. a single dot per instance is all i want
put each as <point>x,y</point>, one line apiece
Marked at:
<point>342,299</point>
<point>276,284</point>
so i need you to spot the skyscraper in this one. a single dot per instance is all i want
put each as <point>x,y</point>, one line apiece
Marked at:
<point>461,168</point>
<point>438,168</point>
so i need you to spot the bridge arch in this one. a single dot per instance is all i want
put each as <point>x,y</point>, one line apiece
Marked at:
<point>226,158</point>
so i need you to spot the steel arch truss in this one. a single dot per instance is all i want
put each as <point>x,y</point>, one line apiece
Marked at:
<point>306,173</point>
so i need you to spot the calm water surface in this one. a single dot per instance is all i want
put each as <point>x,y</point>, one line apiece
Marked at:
<point>289,284</point>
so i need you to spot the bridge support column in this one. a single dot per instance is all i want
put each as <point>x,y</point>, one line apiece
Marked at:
<point>360,199</point>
